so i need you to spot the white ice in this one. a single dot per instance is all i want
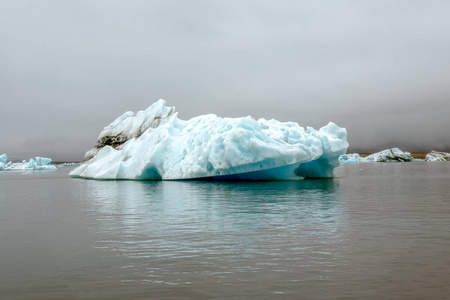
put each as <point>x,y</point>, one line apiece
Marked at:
<point>155,144</point>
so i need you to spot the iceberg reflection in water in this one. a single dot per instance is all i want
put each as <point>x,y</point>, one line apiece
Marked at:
<point>215,234</point>
<point>179,219</point>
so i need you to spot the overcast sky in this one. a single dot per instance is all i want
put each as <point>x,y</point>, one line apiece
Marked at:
<point>379,68</point>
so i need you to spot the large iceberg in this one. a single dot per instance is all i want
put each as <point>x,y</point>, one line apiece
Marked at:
<point>155,144</point>
<point>38,163</point>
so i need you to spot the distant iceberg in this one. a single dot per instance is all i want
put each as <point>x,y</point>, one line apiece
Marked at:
<point>154,144</point>
<point>388,155</point>
<point>38,163</point>
<point>437,156</point>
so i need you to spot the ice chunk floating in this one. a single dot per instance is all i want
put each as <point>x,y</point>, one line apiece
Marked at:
<point>155,144</point>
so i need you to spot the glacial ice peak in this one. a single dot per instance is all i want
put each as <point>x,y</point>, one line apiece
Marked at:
<point>131,125</point>
<point>155,144</point>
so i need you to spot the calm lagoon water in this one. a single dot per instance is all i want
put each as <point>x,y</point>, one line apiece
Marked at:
<point>376,231</point>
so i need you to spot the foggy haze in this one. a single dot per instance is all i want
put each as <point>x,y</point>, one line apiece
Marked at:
<point>378,68</point>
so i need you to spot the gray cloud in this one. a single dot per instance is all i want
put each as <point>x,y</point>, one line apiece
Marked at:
<point>378,68</point>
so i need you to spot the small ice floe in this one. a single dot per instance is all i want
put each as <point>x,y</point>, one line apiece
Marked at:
<point>350,158</point>
<point>67,165</point>
<point>388,155</point>
<point>38,163</point>
<point>437,156</point>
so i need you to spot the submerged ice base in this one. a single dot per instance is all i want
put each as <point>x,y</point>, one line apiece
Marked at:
<point>154,144</point>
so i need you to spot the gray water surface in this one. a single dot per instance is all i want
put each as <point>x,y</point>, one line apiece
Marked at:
<point>376,231</point>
